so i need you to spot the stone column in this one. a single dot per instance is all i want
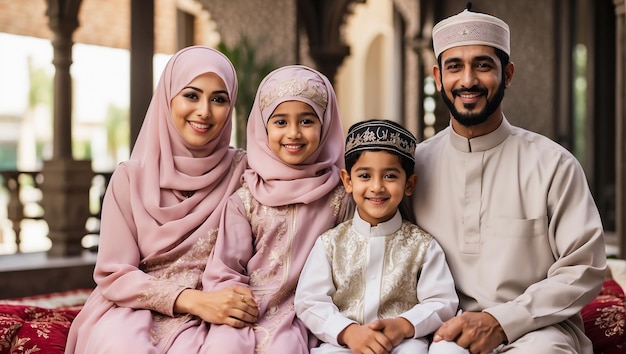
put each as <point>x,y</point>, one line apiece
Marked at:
<point>66,182</point>
<point>620,124</point>
<point>141,54</point>
<point>65,200</point>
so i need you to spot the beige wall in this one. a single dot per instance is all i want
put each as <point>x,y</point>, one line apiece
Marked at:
<point>364,80</point>
<point>371,83</point>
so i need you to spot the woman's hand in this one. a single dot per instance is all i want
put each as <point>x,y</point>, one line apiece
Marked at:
<point>234,306</point>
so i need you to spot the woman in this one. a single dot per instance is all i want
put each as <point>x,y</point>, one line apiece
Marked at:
<point>160,218</point>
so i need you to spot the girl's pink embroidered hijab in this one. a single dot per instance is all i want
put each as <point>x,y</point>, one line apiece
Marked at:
<point>272,181</point>
<point>162,164</point>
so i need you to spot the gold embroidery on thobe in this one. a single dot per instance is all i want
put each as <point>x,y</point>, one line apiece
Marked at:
<point>348,253</point>
<point>335,201</point>
<point>399,282</point>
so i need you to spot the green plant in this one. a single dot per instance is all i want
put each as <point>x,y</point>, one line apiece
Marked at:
<point>118,129</point>
<point>251,69</point>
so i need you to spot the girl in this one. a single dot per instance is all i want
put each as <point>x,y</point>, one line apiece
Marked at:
<point>160,217</point>
<point>290,195</point>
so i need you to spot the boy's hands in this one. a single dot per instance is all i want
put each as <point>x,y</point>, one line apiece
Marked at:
<point>363,340</point>
<point>395,329</point>
<point>378,337</point>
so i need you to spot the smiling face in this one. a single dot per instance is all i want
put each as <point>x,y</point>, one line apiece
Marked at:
<point>472,83</point>
<point>293,131</point>
<point>200,109</point>
<point>378,183</point>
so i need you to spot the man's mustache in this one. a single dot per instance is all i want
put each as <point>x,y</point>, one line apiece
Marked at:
<point>481,90</point>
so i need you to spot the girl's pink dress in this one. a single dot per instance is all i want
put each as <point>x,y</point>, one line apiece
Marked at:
<point>270,225</point>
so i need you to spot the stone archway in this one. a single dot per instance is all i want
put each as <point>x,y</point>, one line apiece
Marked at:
<point>322,20</point>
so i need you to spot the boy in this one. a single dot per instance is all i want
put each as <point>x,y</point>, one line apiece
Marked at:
<point>376,283</point>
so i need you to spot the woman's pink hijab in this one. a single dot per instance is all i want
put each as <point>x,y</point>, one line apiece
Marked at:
<point>162,164</point>
<point>273,182</point>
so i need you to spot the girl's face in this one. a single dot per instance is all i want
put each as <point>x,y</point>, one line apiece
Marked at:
<point>293,131</point>
<point>200,109</point>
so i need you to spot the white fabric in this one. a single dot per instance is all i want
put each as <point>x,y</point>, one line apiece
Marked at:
<point>444,347</point>
<point>471,28</point>
<point>521,233</point>
<point>437,300</point>
<point>408,346</point>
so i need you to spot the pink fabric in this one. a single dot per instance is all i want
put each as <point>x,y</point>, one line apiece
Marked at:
<point>268,229</point>
<point>270,180</point>
<point>154,242</point>
<point>265,248</point>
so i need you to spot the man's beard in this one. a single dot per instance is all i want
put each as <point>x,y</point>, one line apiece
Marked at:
<point>471,119</point>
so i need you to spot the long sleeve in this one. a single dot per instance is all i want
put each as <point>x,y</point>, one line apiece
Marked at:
<point>233,249</point>
<point>357,273</point>
<point>575,238</point>
<point>117,271</point>
<point>513,213</point>
<point>437,297</point>
<point>313,301</point>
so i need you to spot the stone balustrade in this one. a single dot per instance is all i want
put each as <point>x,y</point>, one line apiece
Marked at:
<point>24,203</point>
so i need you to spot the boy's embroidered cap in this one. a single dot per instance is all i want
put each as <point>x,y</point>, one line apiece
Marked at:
<point>377,134</point>
<point>471,28</point>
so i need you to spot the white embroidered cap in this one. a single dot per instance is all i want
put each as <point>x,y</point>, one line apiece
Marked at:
<point>471,28</point>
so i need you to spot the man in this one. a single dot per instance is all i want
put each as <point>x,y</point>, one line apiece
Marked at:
<point>511,208</point>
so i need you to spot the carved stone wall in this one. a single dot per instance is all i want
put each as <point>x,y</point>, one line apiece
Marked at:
<point>105,23</point>
<point>271,24</point>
